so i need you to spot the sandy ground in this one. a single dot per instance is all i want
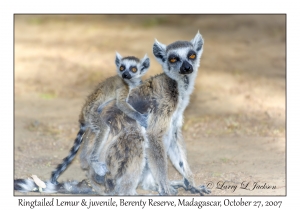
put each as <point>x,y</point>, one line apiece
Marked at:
<point>234,125</point>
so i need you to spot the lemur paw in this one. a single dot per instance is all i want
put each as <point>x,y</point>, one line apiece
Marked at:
<point>204,189</point>
<point>201,190</point>
<point>173,190</point>
<point>170,191</point>
<point>99,168</point>
<point>163,191</point>
<point>185,184</point>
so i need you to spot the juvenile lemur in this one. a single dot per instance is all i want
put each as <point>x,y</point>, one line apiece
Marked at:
<point>130,70</point>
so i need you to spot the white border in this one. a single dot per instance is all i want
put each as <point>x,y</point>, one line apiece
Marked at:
<point>8,8</point>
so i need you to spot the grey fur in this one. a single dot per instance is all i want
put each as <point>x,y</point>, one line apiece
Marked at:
<point>70,187</point>
<point>178,44</point>
<point>164,98</point>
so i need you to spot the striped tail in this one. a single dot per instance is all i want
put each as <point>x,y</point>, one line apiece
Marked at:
<point>70,187</point>
<point>67,160</point>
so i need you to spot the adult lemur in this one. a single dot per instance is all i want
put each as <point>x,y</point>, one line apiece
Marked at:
<point>130,70</point>
<point>134,155</point>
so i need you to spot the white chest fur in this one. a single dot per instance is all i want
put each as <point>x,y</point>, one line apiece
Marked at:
<point>177,118</point>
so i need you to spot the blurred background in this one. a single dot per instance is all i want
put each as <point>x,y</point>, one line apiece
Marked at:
<point>234,125</point>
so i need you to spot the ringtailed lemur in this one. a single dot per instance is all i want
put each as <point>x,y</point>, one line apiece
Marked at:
<point>137,156</point>
<point>130,70</point>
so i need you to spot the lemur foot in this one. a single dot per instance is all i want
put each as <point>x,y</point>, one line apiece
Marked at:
<point>194,190</point>
<point>201,190</point>
<point>99,168</point>
<point>173,190</point>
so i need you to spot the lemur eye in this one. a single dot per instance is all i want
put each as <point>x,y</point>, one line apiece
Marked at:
<point>192,56</point>
<point>122,68</point>
<point>133,69</point>
<point>173,60</point>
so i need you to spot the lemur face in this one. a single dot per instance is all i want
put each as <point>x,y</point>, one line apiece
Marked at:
<point>131,67</point>
<point>181,57</point>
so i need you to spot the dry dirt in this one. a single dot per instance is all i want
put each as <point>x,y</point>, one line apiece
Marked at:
<point>235,124</point>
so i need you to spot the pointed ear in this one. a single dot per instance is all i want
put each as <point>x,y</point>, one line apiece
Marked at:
<point>197,42</point>
<point>118,59</point>
<point>145,64</point>
<point>159,51</point>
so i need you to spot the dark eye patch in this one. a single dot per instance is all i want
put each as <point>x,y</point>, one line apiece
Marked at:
<point>133,69</point>
<point>122,68</point>
<point>192,55</point>
<point>173,58</point>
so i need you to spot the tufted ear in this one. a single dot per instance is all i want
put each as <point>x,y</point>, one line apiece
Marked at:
<point>145,64</point>
<point>118,59</point>
<point>159,51</point>
<point>197,42</point>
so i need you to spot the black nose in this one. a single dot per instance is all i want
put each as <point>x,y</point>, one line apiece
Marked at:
<point>126,75</point>
<point>186,68</point>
